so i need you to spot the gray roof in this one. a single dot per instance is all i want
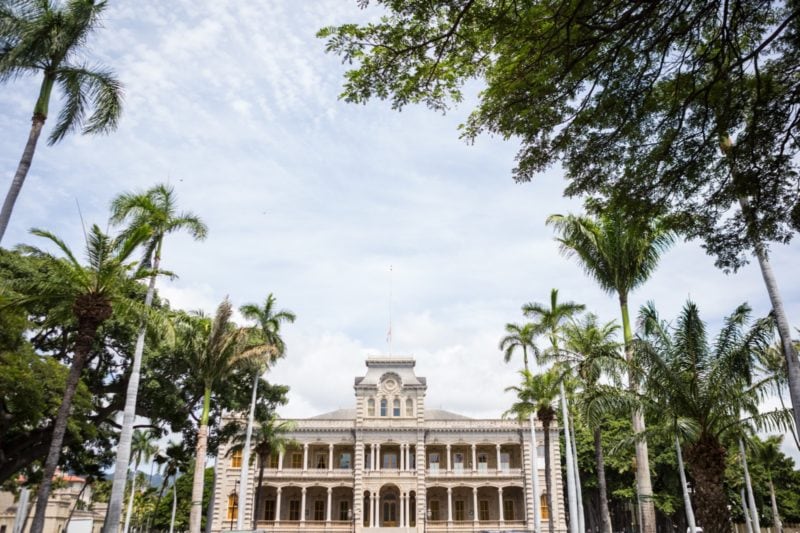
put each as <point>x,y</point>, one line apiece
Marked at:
<point>339,414</point>
<point>350,414</point>
<point>441,414</point>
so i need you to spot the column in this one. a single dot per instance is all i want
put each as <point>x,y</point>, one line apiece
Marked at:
<point>330,457</point>
<point>474,460</point>
<point>303,505</point>
<point>474,501</point>
<point>498,458</point>
<point>407,510</point>
<point>449,504</point>
<point>278,505</point>
<point>408,456</point>
<point>448,458</point>
<point>305,457</point>
<point>378,456</point>
<point>500,503</point>
<point>402,457</point>
<point>328,507</point>
<point>280,460</point>
<point>374,515</point>
<point>401,508</point>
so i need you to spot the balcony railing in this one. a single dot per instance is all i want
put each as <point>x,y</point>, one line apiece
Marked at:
<point>481,472</point>
<point>296,525</point>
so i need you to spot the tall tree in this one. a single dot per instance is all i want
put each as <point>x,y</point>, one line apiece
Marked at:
<point>706,387</point>
<point>549,320</point>
<point>520,337</point>
<point>155,214</point>
<point>620,254</point>
<point>768,454</point>
<point>143,449</point>
<point>538,393</point>
<point>272,435</point>
<point>589,351</point>
<point>630,98</point>
<point>215,349</point>
<point>85,296</point>
<point>268,326</point>
<point>47,37</point>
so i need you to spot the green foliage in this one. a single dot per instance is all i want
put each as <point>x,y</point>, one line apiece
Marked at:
<point>162,513</point>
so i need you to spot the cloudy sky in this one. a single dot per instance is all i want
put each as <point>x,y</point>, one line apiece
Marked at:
<point>236,105</point>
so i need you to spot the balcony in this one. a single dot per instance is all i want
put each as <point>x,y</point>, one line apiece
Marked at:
<point>335,473</point>
<point>481,472</point>
<point>308,525</point>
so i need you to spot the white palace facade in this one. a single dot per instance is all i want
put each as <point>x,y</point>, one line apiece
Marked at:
<point>391,464</point>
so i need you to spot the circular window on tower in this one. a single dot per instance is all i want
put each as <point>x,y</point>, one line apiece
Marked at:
<point>390,383</point>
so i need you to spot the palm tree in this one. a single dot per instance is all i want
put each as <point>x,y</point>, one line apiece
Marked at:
<point>153,213</point>
<point>522,337</point>
<point>143,450</point>
<point>705,388</point>
<point>537,393</point>
<point>268,326</point>
<point>271,436</point>
<point>768,454</point>
<point>84,297</point>
<point>589,351</point>
<point>620,254</point>
<point>549,320</point>
<point>215,349</point>
<point>172,460</point>
<point>42,36</point>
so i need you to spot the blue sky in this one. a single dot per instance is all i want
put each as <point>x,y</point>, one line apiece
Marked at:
<point>235,103</point>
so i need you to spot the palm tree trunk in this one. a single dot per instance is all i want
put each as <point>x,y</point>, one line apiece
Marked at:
<point>745,512</point>
<point>644,485</point>
<point>572,499</point>
<point>244,475</point>
<point>706,460</point>
<point>94,313</point>
<point>537,511</point>
<point>196,509</point>
<point>789,352</point>
<point>548,479</point>
<point>37,122</point>
<point>212,496</point>
<point>749,486</point>
<point>687,500</point>
<point>126,433</point>
<point>128,514</point>
<point>578,490</point>
<point>261,462</point>
<point>174,501</point>
<point>776,518</point>
<point>602,486</point>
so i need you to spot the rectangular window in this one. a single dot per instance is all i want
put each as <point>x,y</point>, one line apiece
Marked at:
<point>321,461</point>
<point>458,462</point>
<point>434,508</point>
<point>545,510</point>
<point>297,460</point>
<point>483,462</point>
<point>233,507</point>
<point>319,510</point>
<point>383,407</point>
<point>294,510</point>
<point>459,511</point>
<point>396,408</point>
<point>483,510</point>
<point>433,462</point>
<point>273,460</point>
<point>367,461</point>
<point>505,460</point>
<point>344,510</point>
<point>389,460</point>
<point>236,459</point>
<point>344,460</point>
<point>269,510</point>
<point>508,509</point>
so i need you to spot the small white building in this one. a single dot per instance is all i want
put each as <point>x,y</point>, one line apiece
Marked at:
<point>390,464</point>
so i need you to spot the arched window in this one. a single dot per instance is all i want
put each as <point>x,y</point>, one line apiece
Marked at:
<point>236,459</point>
<point>233,507</point>
<point>409,407</point>
<point>371,407</point>
<point>543,506</point>
<point>396,407</point>
<point>383,407</point>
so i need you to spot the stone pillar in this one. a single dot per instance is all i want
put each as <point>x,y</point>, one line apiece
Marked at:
<point>328,507</point>
<point>449,466</point>
<point>303,505</point>
<point>402,457</point>
<point>305,457</point>
<point>449,505</point>
<point>474,459</point>
<point>401,508</point>
<point>498,458</point>
<point>330,457</point>
<point>280,460</point>
<point>277,506</point>
<point>378,457</point>
<point>375,502</point>
<point>407,509</point>
<point>500,503</point>
<point>475,502</point>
